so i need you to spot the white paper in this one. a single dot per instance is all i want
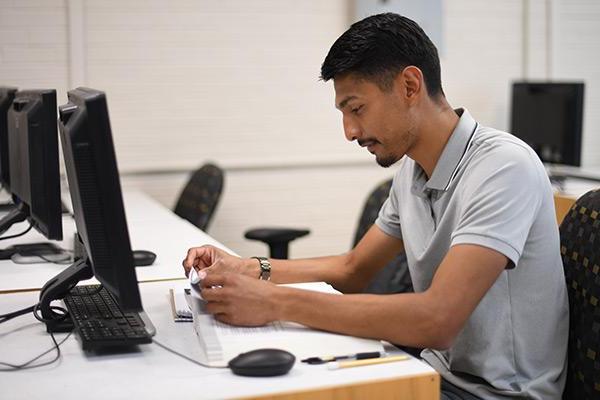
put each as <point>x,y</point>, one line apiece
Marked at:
<point>222,342</point>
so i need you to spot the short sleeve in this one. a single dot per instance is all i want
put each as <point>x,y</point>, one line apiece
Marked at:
<point>501,196</point>
<point>388,219</point>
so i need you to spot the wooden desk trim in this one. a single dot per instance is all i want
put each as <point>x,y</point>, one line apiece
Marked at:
<point>562,205</point>
<point>413,387</point>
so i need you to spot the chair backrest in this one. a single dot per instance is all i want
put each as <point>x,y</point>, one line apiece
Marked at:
<point>580,249</point>
<point>394,277</point>
<point>199,197</point>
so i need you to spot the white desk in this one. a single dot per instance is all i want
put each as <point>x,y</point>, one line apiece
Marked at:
<point>151,227</point>
<point>153,373</point>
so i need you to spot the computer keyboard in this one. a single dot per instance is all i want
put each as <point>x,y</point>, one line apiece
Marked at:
<point>100,322</point>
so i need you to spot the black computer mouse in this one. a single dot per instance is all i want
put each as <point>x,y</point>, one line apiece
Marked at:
<point>142,258</point>
<point>263,362</point>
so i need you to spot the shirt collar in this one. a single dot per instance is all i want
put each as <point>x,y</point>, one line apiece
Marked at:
<point>453,153</point>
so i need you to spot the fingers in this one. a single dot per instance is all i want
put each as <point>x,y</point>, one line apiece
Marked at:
<point>198,257</point>
<point>213,279</point>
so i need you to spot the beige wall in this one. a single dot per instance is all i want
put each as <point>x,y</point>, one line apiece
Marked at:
<point>235,82</point>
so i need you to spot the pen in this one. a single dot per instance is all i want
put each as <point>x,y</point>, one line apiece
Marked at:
<point>357,356</point>
<point>370,361</point>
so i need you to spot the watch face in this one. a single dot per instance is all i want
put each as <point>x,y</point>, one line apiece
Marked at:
<point>265,269</point>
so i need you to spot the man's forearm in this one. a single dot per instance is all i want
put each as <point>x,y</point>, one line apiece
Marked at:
<point>349,272</point>
<point>342,272</point>
<point>407,319</point>
<point>333,270</point>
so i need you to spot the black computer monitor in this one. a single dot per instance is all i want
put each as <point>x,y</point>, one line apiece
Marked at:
<point>95,189</point>
<point>33,163</point>
<point>549,117</point>
<point>7,95</point>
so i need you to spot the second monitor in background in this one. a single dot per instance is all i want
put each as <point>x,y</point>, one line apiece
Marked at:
<point>33,163</point>
<point>7,95</point>
<point>549,117</point>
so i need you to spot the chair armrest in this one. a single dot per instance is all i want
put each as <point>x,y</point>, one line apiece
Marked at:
<point>275,235</point>
<point>276,238</point>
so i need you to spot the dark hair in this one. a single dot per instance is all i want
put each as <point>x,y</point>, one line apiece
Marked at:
<point>378,47</point>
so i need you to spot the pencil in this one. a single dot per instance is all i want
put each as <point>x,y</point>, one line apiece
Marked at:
<point>370,361</point>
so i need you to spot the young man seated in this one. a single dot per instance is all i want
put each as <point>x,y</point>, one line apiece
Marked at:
<point>472,208</point>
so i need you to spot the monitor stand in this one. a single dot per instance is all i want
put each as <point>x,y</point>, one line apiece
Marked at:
<point>44,250</point>
<point>18,213</point>
<point>4,207</point>
<point>56,289</point>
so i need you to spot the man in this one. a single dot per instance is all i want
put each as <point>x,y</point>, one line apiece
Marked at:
<point>471,206</point>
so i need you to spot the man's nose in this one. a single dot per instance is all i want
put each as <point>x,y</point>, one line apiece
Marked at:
<point>351,129</point>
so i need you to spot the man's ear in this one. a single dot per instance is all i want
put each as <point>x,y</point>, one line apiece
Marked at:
<point>409,83</point>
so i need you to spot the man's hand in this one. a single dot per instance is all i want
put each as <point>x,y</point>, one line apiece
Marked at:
<point>239,300</point>
<point>211,259</point>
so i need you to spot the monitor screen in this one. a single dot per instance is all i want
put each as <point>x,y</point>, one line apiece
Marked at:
<point>549,117</point>
<point>33,161</point>
<point>95,189</point>
<point>7,94</point>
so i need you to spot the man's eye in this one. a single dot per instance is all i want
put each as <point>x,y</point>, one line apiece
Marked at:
<point>356,109</point>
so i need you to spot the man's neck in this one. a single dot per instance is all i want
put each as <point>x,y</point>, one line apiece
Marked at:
<point>435,129</point>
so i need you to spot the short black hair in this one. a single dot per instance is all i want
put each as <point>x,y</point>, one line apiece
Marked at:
<point>378,47</point>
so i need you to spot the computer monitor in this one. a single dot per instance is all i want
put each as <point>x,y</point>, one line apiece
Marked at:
<point>95,189</point>
<point>33,163</point>
<point>549,117</point>
<point>7,94</point>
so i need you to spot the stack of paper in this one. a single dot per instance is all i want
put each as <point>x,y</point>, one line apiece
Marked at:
<point>221,342</point>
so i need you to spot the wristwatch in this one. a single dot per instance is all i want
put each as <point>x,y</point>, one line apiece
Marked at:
<point>265,268</point>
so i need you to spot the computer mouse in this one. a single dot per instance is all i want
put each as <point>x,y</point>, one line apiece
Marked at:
<point>142,258</point>
<point>262,362</point>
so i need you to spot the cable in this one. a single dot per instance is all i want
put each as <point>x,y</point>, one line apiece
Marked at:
<point>63,312</point>
<point>18,234</point>
<point>59,316</point>
<point>35,308</point>
<point>14,314</point>
<point>19,258</point>
<point>26,365</point>
<point>184,356</point>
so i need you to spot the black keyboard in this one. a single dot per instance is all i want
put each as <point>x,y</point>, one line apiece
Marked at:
<point>99,321</point>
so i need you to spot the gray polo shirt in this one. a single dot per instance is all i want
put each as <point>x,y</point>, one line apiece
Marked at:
<point>489,189</point>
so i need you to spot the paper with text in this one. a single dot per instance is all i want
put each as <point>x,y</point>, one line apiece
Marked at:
<point>222,342</point>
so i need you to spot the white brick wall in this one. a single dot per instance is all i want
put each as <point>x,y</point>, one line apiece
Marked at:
<point>33,44</point>
<point>576,56</point>
<point>236,82</point>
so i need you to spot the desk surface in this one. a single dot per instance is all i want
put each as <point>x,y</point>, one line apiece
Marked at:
<point>568,191</point>
<point>151,227</point>
<point>153,373</point>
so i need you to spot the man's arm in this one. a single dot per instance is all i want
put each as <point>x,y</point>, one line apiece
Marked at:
<point>429,319</point>
<point>349,272</point>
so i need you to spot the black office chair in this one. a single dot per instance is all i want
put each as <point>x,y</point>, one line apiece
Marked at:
<point>393,278</point>
<point>580,249</point>
<point>200,196</point>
